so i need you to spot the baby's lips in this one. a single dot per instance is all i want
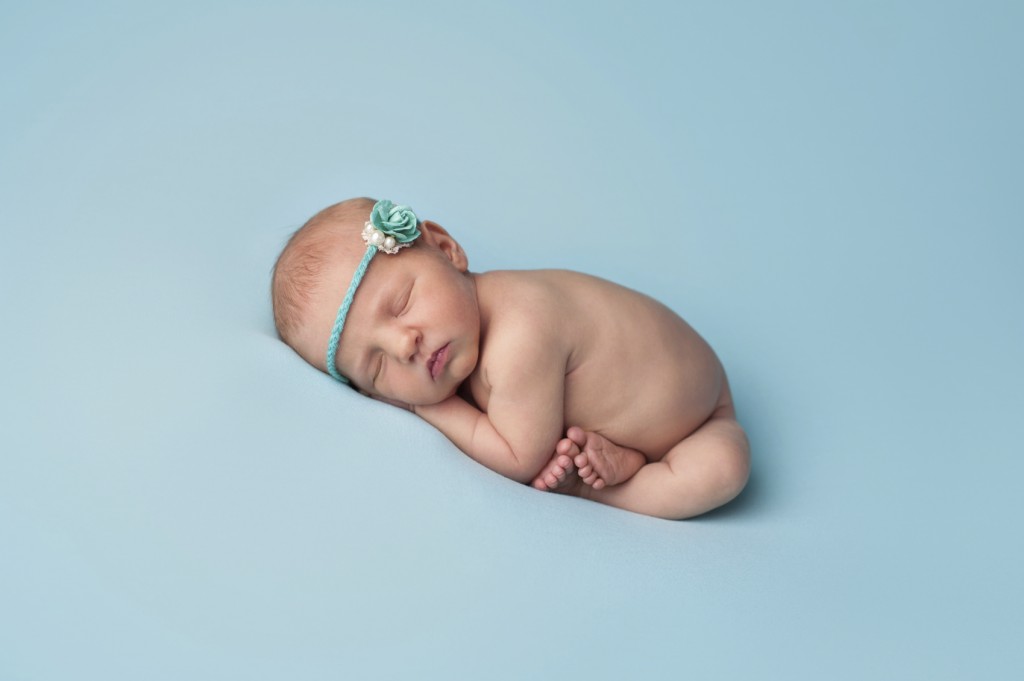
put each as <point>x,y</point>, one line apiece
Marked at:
<point>439,355</point>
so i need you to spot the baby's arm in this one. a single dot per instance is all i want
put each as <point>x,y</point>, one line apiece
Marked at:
<point>473,432</point>
<point>524,412</point>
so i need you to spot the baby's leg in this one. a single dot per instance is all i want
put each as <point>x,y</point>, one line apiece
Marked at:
<point>601,462</point>
<point>707,469</point>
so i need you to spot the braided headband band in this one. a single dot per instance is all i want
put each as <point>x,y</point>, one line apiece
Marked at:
<point>389,229</point>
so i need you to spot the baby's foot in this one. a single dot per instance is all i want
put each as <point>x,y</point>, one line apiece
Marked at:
<point>601,462</point>
<point>559,474</point>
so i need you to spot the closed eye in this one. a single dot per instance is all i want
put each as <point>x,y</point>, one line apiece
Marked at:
<point>404,302</point>
<point>380,367</point>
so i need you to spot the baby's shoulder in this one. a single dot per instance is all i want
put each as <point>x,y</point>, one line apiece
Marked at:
<point>526,299</point>
<point>553,297</point>
<point>540,286</point>
<point>524,309</point>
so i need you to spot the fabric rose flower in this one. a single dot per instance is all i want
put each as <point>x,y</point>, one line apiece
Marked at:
<point>398,222</point>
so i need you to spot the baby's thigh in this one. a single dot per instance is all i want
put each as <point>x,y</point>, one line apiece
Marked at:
<point>684,406</point>
<point>714,461</point>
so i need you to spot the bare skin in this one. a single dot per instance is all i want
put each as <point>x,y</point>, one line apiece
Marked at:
<point>598,461</point>
<point>706,469</point>
<point>502,362</point>
<point>560,471</point>
<point>653,431</point>
<point>695,464</point>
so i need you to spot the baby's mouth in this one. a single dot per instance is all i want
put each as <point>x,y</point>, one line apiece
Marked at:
<point>437,361</point>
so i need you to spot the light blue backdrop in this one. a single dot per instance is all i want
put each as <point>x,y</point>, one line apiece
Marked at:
<point>831,193</point>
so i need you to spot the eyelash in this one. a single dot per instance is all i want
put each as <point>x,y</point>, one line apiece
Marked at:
<point>405,305</point>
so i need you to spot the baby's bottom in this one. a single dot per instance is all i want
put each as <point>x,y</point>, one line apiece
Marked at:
<point>708,468</point>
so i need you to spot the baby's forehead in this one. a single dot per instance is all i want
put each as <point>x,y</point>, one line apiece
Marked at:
<point>383,275</point>
<point>382,271</point>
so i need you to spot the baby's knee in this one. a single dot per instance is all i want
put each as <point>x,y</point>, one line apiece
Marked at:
<point>733,460</point>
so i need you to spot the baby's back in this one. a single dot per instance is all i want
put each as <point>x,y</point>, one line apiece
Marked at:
<point>636,373</point>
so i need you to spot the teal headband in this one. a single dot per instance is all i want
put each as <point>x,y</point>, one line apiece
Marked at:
<point>389,229</point>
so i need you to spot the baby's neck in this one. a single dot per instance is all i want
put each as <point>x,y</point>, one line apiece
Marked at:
<point>485,299</point>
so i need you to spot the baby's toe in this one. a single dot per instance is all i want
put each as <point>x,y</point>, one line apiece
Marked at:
<point>567,447</point>
<point>577,435</point>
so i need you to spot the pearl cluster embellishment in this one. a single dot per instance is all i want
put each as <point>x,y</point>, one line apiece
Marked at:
<point>374,237</point>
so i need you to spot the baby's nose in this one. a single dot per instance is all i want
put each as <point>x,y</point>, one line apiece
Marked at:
<point>407,345</point>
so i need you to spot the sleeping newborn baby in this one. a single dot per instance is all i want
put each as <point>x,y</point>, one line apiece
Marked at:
<point>559,379</point>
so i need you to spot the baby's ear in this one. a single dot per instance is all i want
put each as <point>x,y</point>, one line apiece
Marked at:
<point>436,235</point>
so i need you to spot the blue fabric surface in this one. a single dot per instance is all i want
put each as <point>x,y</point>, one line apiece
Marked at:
<point>829,194</point>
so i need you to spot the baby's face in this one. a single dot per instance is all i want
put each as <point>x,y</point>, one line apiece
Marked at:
<point>412,334</point>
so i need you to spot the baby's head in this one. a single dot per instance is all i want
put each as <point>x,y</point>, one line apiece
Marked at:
<point>412,331</point>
